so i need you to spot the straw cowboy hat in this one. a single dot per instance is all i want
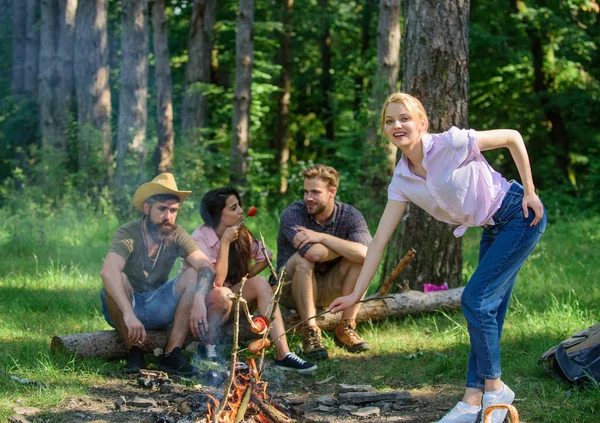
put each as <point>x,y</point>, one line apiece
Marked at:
<point>162,184</point>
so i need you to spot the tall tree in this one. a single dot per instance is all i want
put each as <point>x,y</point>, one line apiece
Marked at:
<point>57,30</point>
<point>92,83</point>
<point>19,32</point>
<point>386,78</point>
<point>244,60</point>
<point>540,38</point>
<point>163,155</point>
<point>32,47</point>
<point>198,68</point>
<point>327,83</point>
<point>133,106</point>
<point>435,60</point>
<point>283,118</point>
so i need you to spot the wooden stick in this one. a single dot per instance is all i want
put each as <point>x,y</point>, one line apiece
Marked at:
<point>264,250</point>
<point>325,312</point>
<point>387,284</point>
<point>234,351</point>
<point>271,412</point>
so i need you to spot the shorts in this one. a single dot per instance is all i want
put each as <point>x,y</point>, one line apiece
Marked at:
<point>155,309</point>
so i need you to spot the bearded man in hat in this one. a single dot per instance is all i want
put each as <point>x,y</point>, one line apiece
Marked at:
<point>137,294</point>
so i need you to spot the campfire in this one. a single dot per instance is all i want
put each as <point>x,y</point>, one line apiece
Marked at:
<point>245,392</point>
<point>248,398</point>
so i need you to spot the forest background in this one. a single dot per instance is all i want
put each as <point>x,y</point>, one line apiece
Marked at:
<point>98,96</point>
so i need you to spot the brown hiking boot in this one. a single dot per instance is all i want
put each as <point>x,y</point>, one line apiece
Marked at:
<point>313,344</point>
<point>347,337</point>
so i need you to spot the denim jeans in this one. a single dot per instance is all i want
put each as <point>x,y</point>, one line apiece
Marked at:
<point>155,309</point>
<point>503,249</point>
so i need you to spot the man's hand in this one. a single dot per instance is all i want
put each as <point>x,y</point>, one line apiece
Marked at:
<point>198,322</point>
<point>306,236</point>
<point>136,332</point>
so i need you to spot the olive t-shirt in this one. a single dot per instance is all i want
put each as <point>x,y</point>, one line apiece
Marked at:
<point>146,274</point>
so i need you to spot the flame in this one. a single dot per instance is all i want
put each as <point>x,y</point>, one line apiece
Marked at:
<point>241,383</point>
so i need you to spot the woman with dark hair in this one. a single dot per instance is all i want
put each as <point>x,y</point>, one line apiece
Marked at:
<point>235,253</point>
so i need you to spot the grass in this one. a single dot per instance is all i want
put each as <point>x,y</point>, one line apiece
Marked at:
<point>49,286</point>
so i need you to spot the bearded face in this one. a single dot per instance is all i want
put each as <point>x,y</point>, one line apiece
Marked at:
<point>161,220</point>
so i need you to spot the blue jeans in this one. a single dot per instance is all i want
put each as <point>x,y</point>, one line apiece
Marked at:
<point>503,249</point>
<point>155,309</point>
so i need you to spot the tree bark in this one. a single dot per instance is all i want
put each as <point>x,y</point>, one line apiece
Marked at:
<point>368,6</point>
<point>19,32</point>
<point>242,94</point>
<point>57,29</point>
<point>435,61</point>
<point>384,83</point>
<point>283,118</point>
<point>327,83</point>
<point>92,82</point>
<point>163,155</point>
<point>32,48</point>
<point>108,344</point>
<point>198,69</point>
<point>133,106</point>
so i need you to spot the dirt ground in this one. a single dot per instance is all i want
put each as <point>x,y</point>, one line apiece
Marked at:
<point>114,402</point>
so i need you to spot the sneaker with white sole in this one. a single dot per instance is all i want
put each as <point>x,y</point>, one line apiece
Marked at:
<point>461,413</point>
<point>292,362</point>
<point>505,395</point>
<point>211,352</point>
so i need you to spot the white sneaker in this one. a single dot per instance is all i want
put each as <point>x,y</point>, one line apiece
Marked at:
<point>506,396</point>
<point>211,352</point>
<point>461,414</point>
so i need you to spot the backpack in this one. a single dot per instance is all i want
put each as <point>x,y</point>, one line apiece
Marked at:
<point>577,359</point>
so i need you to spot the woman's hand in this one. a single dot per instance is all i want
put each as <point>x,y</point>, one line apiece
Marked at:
<point>230,235</point>
<point>532,201</point>
<point>342,303</point>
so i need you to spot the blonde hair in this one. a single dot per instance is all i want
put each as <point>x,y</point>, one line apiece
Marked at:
<point>412,104</point>
<point>326,174</point>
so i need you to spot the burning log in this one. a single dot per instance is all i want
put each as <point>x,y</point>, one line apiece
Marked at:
<point>273,414</point>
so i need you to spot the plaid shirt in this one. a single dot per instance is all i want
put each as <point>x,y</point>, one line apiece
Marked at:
<point>346,222</point>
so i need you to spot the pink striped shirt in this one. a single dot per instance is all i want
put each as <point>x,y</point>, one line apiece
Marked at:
<point>461,188</point>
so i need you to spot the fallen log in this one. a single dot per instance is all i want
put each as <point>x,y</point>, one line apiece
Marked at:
<point>108,344</point>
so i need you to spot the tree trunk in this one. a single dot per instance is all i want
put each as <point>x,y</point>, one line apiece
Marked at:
<point>32,48</point>
<point>133,106</point>
<point>198,68</point>
<point>283,118</point>
<point>57,29</point>
<point>435,61</point>
<point>543,80</point>
<point>365,29</point>
<point>108,344</point>
<point>92,83</point>
<point>19,32</point>
<point>327,83</point>
<point>385,82</point>
<point>244,52</point>
<point>163,155</point>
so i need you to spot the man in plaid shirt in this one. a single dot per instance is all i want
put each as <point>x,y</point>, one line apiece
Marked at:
<point>323,244</point>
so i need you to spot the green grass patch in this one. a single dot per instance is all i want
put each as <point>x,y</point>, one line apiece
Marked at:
<point>49,285</point>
